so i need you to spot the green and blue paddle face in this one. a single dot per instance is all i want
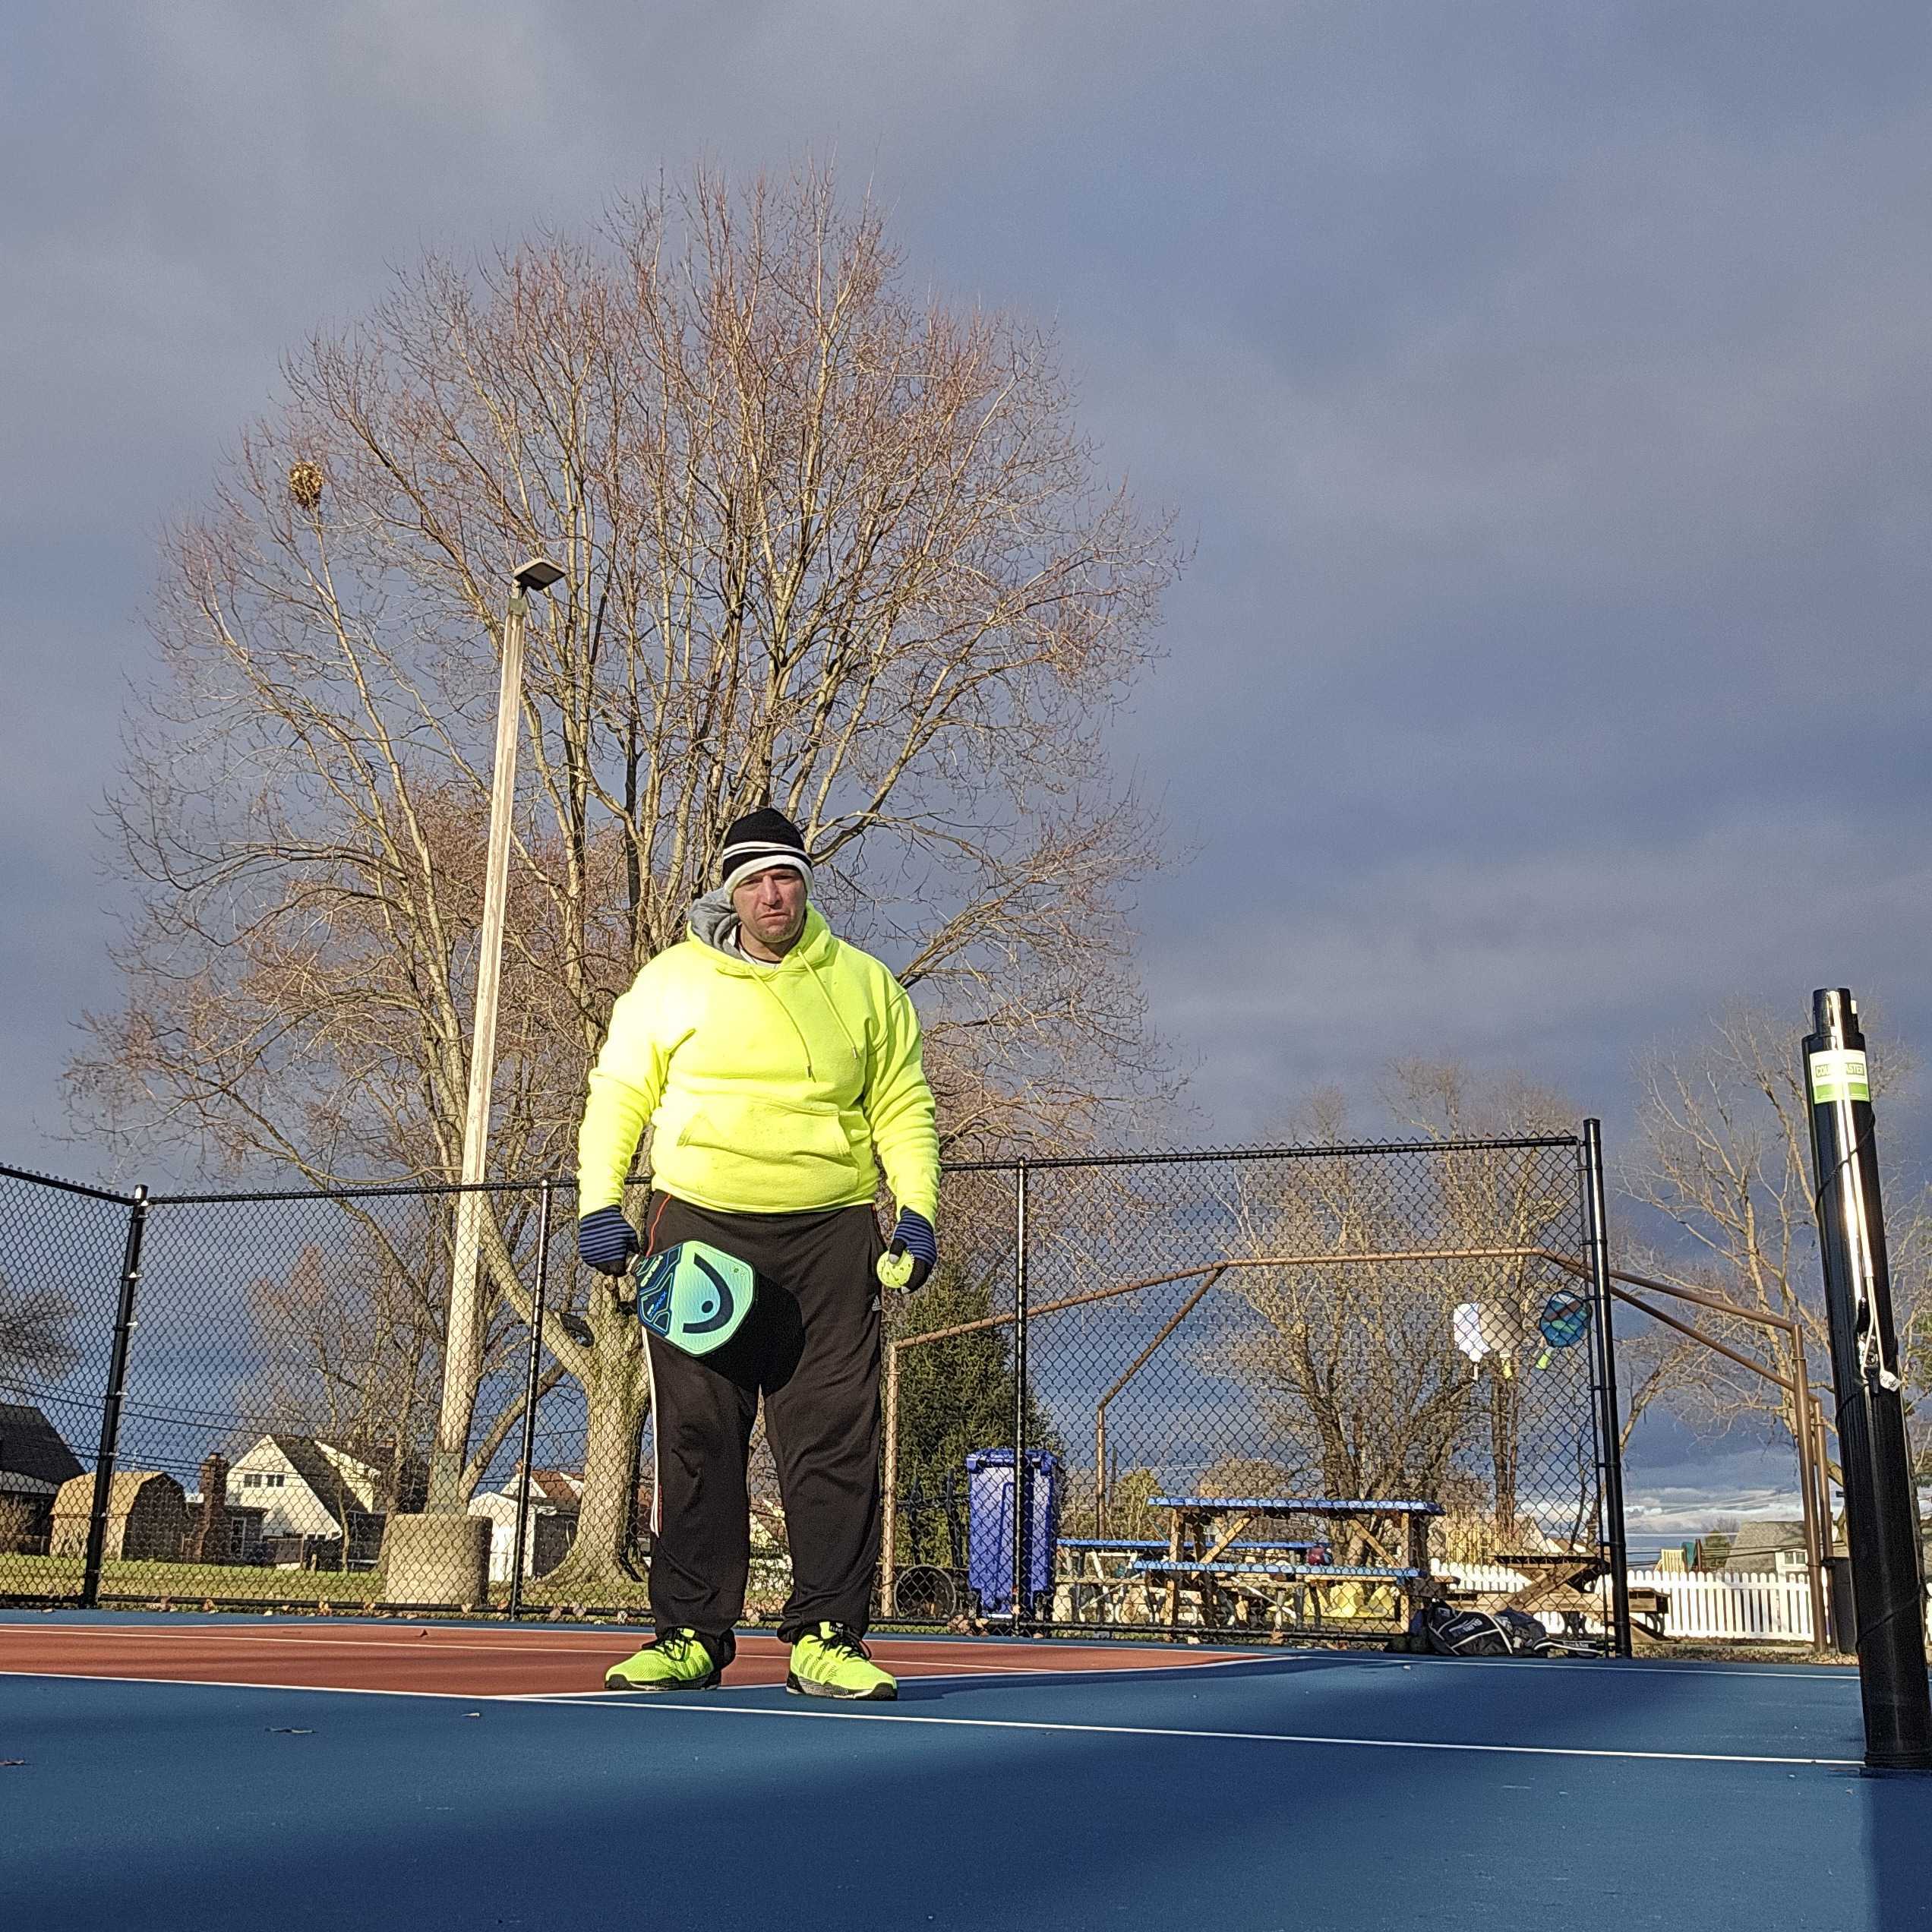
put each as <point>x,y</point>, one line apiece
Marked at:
<point>694,1296</point>
<point>1565,1319</point>
<point>1564,1323</point>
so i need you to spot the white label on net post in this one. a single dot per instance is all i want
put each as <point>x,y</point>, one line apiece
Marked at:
<point>1838,1074</point>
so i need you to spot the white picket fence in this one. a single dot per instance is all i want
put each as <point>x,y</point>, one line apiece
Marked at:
<point>1745,1605</point>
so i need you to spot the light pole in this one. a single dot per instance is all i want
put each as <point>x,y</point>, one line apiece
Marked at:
<point>462,1353</point>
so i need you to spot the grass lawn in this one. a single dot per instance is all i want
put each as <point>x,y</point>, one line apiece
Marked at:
<point>187,1585</point>
<point>184,1584</point>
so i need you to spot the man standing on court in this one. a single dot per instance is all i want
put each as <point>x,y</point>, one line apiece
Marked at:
<point>779,1070</point>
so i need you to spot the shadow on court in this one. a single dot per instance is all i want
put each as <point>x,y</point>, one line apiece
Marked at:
<point>970,1805</point>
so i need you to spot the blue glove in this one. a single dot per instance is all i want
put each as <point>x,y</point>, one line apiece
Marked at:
<point>606,1241</point>
<point>911,1254</point>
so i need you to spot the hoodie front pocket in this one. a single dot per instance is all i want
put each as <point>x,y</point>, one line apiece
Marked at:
<point>796,1147</point>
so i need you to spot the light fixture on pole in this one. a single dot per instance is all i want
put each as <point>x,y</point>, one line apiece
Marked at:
<point>462,1353</point>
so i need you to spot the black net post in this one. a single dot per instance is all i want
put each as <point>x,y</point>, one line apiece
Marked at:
<point>1597,1236</point>
<point>1880,1505</point>
<point>532,1373</point>
<point>1022,1567</point>
<point>117,1378</point>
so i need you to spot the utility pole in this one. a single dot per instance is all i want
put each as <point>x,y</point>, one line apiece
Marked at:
<point>462,1353</point>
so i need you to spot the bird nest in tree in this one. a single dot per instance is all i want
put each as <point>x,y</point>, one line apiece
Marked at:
<point>305,484</point>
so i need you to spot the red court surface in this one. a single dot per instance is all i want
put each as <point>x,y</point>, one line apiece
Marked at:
<point>473,1660</point>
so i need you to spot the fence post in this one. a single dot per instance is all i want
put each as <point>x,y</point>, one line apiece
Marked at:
<point>1881,1511</point>
<point>530,1401</point>
<point>1596,1230</point>
<point>1021,1568</point>
<point>110,1428</point>
<point>888,1541</point>
<point>1818,1537</point>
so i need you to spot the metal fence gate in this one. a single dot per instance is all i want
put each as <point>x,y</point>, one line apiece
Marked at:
<point>1179,1392</point>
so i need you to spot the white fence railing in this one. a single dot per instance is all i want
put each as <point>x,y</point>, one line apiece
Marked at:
<point>1741,1605</point>
<point>1751,1604</point>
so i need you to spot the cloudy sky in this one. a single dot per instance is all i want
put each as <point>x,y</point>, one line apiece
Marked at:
<point>1545,390</point>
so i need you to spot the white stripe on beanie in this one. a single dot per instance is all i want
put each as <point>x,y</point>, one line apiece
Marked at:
<point>740,862</point>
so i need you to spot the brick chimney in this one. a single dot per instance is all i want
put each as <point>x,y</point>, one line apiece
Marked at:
<point>207,1536</point>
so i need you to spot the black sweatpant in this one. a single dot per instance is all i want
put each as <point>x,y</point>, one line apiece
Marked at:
<point>810,1347</point>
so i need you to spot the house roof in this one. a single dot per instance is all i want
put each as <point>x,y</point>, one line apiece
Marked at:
<point>11,1484</point>
<point>30,1446</point>
<point>562,1489</point>
<point>77,1494</point>
<point>1763,1539</point>
<point>331,1487</point>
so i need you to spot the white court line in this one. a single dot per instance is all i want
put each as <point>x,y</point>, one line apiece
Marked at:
<point>597,1695</point>
<point>1609,1667</point>
<point>1168,1731</point>
<point>903,1667</point>
<point>432,1642</point>
<point>436,1645</point>
<point>755,1644</point>
<point>906,1674</point>
<point>562,1645</point>
<point>621,1700</point>
<point>1620,1667</point>
<point>221,1684</point>
<point>339,1640</point>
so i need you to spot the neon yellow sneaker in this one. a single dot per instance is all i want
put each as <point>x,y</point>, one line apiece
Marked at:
<point>830,1661</point>
<point>678,1661</point>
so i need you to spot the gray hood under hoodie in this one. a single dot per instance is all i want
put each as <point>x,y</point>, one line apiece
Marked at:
<point>713,920</point>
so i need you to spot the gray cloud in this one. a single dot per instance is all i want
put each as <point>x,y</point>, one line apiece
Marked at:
<point>1546,389</point>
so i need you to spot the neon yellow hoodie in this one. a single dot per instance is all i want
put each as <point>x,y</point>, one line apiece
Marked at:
<point>769,1089</point>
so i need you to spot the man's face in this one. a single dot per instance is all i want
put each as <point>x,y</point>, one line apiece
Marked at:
<point>771,909</point>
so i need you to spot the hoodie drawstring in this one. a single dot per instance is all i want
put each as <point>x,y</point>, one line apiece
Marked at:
<point>765,980</point>
<point>832,1005</point>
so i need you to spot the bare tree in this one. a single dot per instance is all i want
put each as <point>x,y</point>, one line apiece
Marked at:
<point>1443,1100</point>
<point>1371,1400</point>
<point>1496,1198</point>
<point>826,545</point>
<point>347,1342</point>
<point>36,1343</point>
<point>1357,1359</point>
<point>1724,1156</point>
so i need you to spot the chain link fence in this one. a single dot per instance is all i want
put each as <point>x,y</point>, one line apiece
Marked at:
<point>1282,1392</point>
<point>1262,1393</point>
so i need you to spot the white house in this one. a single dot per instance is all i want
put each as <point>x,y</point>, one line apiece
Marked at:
<point>554,1495</point>
<point>1772,1548</point>
<point>310,1493</point>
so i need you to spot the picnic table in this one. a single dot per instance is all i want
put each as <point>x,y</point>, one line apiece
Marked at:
<point>1557,1582</point>
<point>1103,1577</point>
<point>1205,1531</point>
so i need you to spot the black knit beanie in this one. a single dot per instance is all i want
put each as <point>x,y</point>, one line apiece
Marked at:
<point>757,841</point>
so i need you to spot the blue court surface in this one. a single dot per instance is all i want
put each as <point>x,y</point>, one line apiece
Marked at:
<point>1299,1791</point>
